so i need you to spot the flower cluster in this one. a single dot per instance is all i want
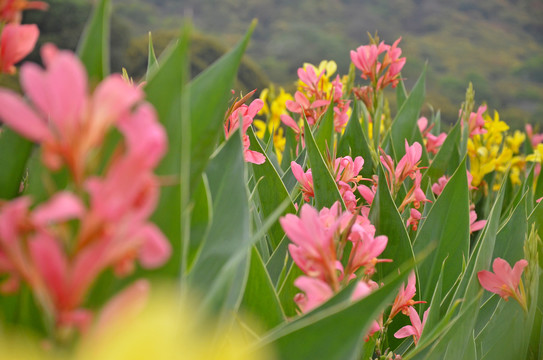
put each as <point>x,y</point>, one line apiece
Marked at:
<point>491,149</point>
<point>60,246</point>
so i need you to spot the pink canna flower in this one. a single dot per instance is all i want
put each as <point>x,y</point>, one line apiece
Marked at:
<point>414,218</point>
<point>311,110</point>
<point>316,293</point>
<point>408,164</point>
<point>365,58</point>
<point>416,327</point>
<point>64,118</point>
<point>366,248</point>
<point>473,224</point>
<point>347,195</point>
<point>310,80</point>
<point>305,180</point>
<point>415,195</point>
<point>535,139</point>
<point>16,42</point>
<point>477,122</point>
<point>433,143</point>
<point>347,170</point>
<point>404,299</point>
<point>438,187</point>
<point>247,114</point>
<point>505,281</point>
<point>313,248</point>
<point>11,10</point>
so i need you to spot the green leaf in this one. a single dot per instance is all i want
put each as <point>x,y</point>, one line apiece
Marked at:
<point>326,191</point>
<point>201,218</point>
<point>401,93</point>
<point>209,95</point>
<point>260,298</point>
<point>387,221</point>
<point>510,239</point>
<point>220,261</point>
<point>287,290</point>
<point>279,261</point>
<point>447,158</point>
<point>353,142</point>
<point>447,225</point>
<point>164,90</point>
<point>349,325</point>
<point>152,62</point>
<point>270,189</point>
<point>404,127</point>
<point>93,47</point>
<point>324,135</point>
<point>14,153</point>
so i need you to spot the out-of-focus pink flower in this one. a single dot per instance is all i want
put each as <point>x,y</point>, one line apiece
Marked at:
<point>316,293</point>
<point>11,10</point>
<point>534,138</point>
<point>416,327</point>
<point>433,143</point>
<point>404,299</point>
<point>305,180</point>
<point>505,281</point>
<point>477,122</point>
<point>539,200</point>
<point>247,114</point>
<point>313,248</point>
<point>341,115</point>
<point>130,301</point>
<point>16,42</point>
<point>67,122</point>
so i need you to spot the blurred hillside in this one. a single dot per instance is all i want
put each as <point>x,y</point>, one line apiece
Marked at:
<point>496,44</point>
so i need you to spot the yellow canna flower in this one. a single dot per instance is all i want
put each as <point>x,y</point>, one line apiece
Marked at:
<point>537,156</point>
<point>514,142</point>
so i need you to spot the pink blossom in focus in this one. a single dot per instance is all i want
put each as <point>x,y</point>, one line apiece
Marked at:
<point>303,106</point>
<point>247,114</point>
<point>414,218</point>
<point>313,248</point>
<point>505,281</point>
<point>16,42</point>
<point>416,327</point>
<point>305,180</point>
<point>347,170</point>
<point>404,299</point>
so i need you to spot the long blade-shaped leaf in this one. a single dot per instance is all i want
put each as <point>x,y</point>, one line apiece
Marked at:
<point>93,47</point>
<point>451,236</point>
<point>14,153</point>
<point>326,191</point>
<point>271,191</point>
<point>209,95</point>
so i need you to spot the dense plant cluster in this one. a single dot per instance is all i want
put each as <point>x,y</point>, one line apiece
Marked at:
<point>309,225</point>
